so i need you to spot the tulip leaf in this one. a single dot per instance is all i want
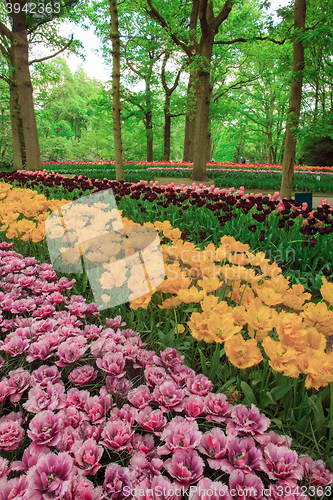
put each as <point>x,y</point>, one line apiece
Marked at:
<point>203,362</point>
<point>84,282</point>
<point>215,363</point>
<point>278,392</point>
<point>248,392</point>
<point>303,424</point>
<point>318,413</point>
<point>268,400</point>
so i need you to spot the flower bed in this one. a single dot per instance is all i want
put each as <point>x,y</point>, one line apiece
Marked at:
<point>102,417</point>
<point>186,164</point>
<point>254,307</point>
<point>282,225</point>
<point>275,389</point>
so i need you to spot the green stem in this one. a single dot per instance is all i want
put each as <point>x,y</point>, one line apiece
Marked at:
<point>302,399</point>
<point>330,420</point>
<point>243,293</point>
<point>263,383</point>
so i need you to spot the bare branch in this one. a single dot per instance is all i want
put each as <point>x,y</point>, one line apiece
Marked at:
<point>236,85</point>
<point>244,40</point>
<point>53,55</point>
<point>153,13</point>
<point>222,16</point>
<point>5,78</point>
<point>6,32</point>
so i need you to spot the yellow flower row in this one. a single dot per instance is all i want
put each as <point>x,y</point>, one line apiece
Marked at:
<point>18,202</point>
<point>262,304</point>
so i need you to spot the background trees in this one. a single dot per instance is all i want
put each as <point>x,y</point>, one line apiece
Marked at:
<point>235,98</point>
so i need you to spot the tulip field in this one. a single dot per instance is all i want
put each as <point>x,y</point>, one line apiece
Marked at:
<point>216,384</point>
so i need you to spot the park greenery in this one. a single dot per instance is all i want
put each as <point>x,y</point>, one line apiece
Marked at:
<point>250,82</point>
<point>216,382</point>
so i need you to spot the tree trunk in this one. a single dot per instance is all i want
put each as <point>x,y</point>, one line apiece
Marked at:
<point>4,152</point>
<point>190,118</point>
<point>76,128</point>
<point>167,129</point>
<point>287,183</point>
<point>167,115</point>
<point>149,123</point>
<point>22,73</point>
<point>118,149</point>
<point>15,124</point>
<point>209,141</point>
<point>282,147</point>
<point>149,132</point>
<point>270,146</point>
<point>315,111</point>
<point>264,153</point>
<point>237,160</point>
<point>201,143</point>
<point>270,125</point>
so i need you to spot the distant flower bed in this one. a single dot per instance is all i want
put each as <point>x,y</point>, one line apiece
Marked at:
<point>274,167</point>
<point>248,168</point>
<point>89,413</point>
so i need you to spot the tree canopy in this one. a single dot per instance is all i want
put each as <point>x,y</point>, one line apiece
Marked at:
<point>198,80</point>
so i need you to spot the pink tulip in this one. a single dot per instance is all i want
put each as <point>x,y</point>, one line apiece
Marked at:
<point>50,477</point>
<point>185,466</point>
<point>11,431</point>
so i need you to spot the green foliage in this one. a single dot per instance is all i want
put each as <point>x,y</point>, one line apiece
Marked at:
<point>319,152</point>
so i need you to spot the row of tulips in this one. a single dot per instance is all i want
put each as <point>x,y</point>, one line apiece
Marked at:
<point>216,200</point>
<point>261,307</point>
<point>119,421</point>
<point>240,168</point>
<point>258,292</point>
<point>200,277</point>
<point>188,164</point>
<point>280,223</point>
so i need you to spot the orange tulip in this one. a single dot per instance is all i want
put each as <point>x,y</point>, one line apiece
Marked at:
<point>326,291</point>
<point>281,358</point>
<point>191,295</point>
<point>222,327</point>
<point>295,297</point>
<point>170,303</point>
<point>199,328</point>
<point>242,353</point>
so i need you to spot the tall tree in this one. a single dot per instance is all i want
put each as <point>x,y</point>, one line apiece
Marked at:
<point>118,148</point>
<point>48,35</point>
<point>294,102</point>
<point>143,49</point>
<point>167,113</point>
<point>25,22</point>
<point>200,52</point>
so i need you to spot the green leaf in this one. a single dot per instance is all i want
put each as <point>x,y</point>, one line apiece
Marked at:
<point>277,421</point>
<point>278,392</point>
<point>248,392</point>
<point>203,362</point>
<point>268,400</point>
<point>215,362</point>
<point>84,282</point>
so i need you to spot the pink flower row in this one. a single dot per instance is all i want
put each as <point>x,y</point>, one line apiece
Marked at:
<point>63,434</point>
<point>271,171</point>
